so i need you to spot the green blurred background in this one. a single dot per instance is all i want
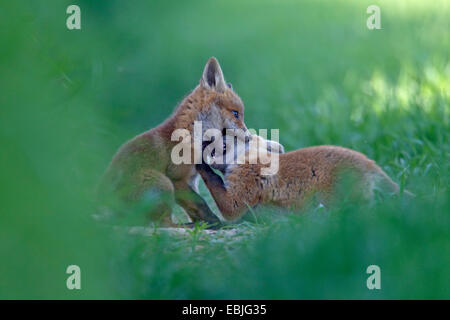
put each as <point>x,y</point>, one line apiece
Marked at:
<point>69,99</point>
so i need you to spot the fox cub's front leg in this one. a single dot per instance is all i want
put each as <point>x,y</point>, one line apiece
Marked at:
<point>194,205</point>
<point>231,205</point>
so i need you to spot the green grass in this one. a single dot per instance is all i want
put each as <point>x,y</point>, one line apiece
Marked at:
<point>311,69</point>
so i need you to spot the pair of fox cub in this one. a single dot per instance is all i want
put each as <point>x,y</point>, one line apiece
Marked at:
<point>144,164</point>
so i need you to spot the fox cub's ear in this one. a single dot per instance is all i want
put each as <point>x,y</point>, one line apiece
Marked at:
<point>212,76</point>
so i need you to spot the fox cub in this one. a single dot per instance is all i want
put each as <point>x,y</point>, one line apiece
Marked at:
<point>144,164</point>
<point>304,174</point>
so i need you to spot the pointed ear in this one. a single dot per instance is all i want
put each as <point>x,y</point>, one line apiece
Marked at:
<point>212,76</point>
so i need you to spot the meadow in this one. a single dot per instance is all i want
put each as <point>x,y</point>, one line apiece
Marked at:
<point>312,69</point>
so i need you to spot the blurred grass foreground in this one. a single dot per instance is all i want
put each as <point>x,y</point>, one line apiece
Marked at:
<point>70,98</point>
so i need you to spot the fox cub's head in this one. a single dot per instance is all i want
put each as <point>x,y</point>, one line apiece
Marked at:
<point>218,105</point>
<point>256,150</point>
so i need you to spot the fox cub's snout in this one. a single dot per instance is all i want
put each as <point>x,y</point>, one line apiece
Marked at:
<point>242,149</point>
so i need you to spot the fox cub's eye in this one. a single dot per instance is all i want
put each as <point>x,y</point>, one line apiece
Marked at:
<point>236,114</point>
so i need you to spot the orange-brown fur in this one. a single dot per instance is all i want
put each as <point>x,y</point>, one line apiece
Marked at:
<point>303,174</point>
<point>144,163</point>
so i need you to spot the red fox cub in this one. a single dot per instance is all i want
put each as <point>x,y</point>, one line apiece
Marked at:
<point>302,174</point>
<point>144,163</point>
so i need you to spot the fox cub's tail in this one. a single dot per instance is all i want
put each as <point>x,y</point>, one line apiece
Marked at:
<point>385,184</point>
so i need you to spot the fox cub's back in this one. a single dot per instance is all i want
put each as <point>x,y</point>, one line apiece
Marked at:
<point>324,167</point>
